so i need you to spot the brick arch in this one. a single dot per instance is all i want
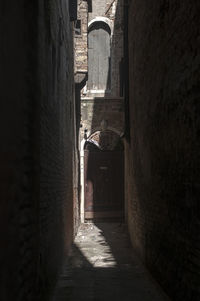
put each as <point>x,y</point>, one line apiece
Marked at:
<point>92,139</point>
<point>105,140</point>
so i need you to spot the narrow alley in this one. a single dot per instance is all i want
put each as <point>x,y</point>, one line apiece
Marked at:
<point>100,150</point>
<point>102,267</point>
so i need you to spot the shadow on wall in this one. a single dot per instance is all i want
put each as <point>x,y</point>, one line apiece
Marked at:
<point>164,213</point>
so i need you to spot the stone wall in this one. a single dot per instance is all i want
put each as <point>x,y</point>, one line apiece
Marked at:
<point>162,158</point>
<point>37,143</point>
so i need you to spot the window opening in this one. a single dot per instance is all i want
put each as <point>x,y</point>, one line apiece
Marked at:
<point>78,27</point>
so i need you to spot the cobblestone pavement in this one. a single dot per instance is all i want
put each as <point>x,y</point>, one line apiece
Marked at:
<point>102,266</point>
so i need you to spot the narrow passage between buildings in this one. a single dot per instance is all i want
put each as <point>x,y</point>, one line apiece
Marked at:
<point>102,266</point>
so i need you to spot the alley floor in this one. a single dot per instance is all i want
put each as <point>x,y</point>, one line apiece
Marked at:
<point>102,267</point>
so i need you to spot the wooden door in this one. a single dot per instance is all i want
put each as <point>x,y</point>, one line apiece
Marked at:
<point>104,184</point>
<point>99,57</point>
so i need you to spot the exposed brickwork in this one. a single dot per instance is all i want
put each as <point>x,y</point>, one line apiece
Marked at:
<point>162,168</point>
<point>115,13</point>
<point>56,137</point>
<point>94,111</point>
<point>80,45</point>
<point>38,155</point>
<point>38,146</point>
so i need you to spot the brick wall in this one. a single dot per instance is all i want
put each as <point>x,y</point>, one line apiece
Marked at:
<point>19,197</point>
<point>80,45</point>
<point>93,111</point>
<point>115,13</point>
<point>56,136</point>
<point>162,159</point>
<point>37,143</point>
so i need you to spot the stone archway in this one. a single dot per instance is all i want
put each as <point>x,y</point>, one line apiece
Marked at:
<point>103,177</point>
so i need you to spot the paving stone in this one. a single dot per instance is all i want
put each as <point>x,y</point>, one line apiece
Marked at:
<point>103,266</point>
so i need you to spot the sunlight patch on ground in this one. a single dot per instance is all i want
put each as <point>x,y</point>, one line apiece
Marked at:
<point>95,248</point>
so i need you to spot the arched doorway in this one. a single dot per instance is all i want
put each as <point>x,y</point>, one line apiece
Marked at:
<point>104,177</point>
<point>99,56</point>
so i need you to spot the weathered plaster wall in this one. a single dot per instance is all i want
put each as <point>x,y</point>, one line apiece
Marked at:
<point>162,159</point>
<point>98,8</point>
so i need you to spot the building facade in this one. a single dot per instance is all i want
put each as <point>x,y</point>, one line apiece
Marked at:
<point>99,60</point>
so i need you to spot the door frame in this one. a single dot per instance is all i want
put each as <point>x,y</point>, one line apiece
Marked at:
<point>82,172</point>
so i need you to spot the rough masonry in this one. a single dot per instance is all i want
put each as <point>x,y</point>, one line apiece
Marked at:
<point>162,168</point>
